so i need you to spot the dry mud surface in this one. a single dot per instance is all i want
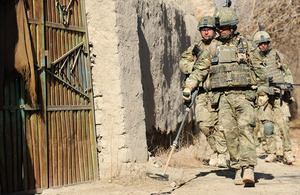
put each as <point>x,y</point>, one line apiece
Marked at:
<point>271,178</point>
<point>275,178</point>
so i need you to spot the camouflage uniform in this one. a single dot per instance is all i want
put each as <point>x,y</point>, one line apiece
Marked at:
<point>230,73</point>
<point>206,113</point>
<point>277,110</point>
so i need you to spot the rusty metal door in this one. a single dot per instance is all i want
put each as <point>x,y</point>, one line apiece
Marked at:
<point>53,143</point>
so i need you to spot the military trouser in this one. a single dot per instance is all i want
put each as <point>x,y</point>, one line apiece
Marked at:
<point>277,111</point>
<point>265,114</point>
<point>237,120</point>
<point>207,119</point>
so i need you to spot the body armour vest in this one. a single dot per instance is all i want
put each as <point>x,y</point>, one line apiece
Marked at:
<point>230,68</point>
<point>272,63</point>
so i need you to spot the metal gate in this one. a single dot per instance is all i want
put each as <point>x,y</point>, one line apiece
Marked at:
<point>52,143</point>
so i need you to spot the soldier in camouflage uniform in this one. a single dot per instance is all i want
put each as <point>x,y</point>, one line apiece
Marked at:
<point>275,110</point>
<point>206,113</point>
<point>229,72</point>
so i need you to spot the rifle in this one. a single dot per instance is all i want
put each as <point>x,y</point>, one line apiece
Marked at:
<point>279,85</point>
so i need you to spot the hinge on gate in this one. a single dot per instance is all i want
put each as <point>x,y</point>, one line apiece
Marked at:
<point>31,107</point>
<point>64,12</point>
<point>13,108</point>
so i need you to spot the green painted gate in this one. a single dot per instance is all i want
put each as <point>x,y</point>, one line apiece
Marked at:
<point>53,142</point>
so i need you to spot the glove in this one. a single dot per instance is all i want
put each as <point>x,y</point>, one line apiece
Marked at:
<point>292,99</point>
<point>186,94</point>
<point>262,100</point>
<point>284,87</point>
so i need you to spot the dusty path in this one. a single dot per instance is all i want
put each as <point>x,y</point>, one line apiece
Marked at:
<point>274,178</point>
<point>271,178</point>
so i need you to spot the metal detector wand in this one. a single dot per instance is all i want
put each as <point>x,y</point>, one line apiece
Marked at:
<point>175,142</point>
<point>164,176</point>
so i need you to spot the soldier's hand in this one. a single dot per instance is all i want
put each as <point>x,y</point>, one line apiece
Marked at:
<point>283,87</point>
<point>186,95</point>
<point>262,100</point>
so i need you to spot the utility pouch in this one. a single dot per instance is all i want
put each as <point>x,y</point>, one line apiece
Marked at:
<point>250,95</point>
<point>241,56</point>
<point>241,52</point>
<point>214,99</point>
<point>227,54</point>
<point>215,61</point>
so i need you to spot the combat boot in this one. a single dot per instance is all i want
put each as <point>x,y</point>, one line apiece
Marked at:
<point>213,160</point>
<point>248,176</point>
<point>222,161</point>
<point>271,158</point>
<point>289,158</point>
<point>238,177</point>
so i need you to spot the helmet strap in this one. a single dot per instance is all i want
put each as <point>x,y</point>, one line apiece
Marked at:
<point>207,41</point>
<point>229,36</point>
<point>267,50</point>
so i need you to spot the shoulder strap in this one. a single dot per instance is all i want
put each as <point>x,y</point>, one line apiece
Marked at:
<point>213,48</point>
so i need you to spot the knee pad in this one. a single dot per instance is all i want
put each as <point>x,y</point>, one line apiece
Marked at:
<point>268,128</point>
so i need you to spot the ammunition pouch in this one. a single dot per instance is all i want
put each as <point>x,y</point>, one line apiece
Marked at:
<point>215,61</point>
<point>242,56</point>
<point>230,68</point>
<point>250,95</point>
<point>214,99</point>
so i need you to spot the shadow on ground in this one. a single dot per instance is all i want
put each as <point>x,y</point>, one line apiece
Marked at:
<point>227,173</point>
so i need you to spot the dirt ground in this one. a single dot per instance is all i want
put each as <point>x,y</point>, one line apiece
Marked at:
<point>274,178</point>
<point>271,178</point>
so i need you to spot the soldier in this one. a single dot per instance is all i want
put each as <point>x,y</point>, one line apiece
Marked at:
<point>229,72</point>
<point>274,110</point>
<point>206,113</point>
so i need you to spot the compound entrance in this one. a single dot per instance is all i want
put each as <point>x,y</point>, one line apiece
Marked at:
<point>51,142</point>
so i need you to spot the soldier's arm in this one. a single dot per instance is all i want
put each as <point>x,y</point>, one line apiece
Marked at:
<point>200,72</point>
<point>260,72</point>
<point>186,62</point>
<point>287,72</point>
<point>288,76</point>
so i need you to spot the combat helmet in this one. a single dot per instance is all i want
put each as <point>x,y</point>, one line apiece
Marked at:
<point>206,21</point>
<point>261,37</point>
<point>226,16</point>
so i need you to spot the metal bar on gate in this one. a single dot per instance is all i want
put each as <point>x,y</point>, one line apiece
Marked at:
<point>62,67</point>
<point>2,153</point>
<point>68,53</point>
<point>13,129</point>
<point>8,141</point>
<point>19,135</point>
<point>41,117</point>
<point>69,108</point>
<point>74,64</point>
<point>80,71</point>
<point>32,107</point>
<point>67,84</point>
<point>93,147</point>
